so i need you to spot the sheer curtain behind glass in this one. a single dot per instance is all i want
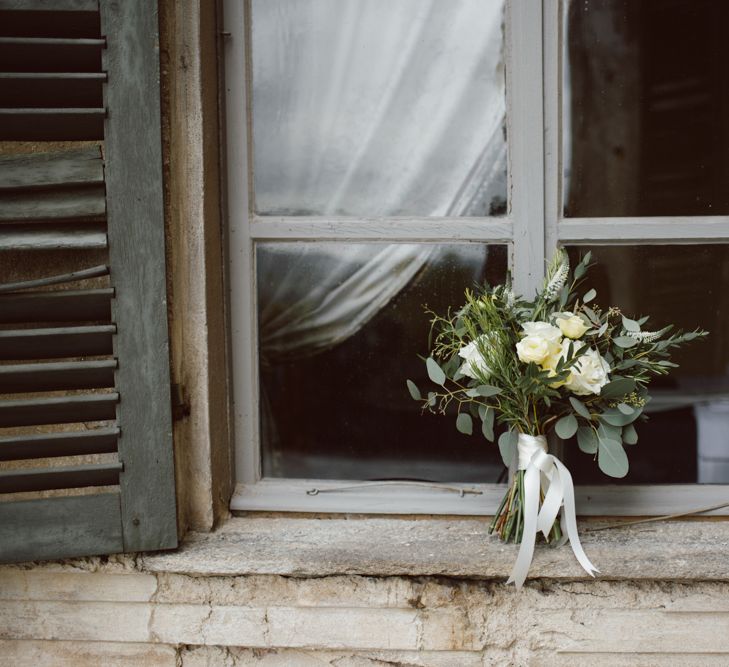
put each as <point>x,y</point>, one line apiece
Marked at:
<point>367,109</point>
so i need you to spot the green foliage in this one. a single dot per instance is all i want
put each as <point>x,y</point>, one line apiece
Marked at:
<point>507,446</point>
<point>414,391</point>
<point>566,427</point>
<point>464,423</point>
<point>587,439</point>
<point>488,381</point>
<point>611,458</point>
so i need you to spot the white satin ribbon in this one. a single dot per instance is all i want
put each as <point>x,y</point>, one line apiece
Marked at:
<point>542,470</point>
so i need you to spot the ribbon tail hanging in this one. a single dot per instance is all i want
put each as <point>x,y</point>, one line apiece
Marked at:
<point>529,536</point>
<point>569,520</point>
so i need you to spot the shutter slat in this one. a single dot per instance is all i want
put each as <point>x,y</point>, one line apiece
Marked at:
<point>49,54</point>
<point>32,89</point>
<point>54,236</point>
<point>60,204</point>
<point>92,272</point>
<point>53,376</point>
<point>31,124</point>
<point>59,306</point>
<point>58,410</point>
<point>49,5</point>
<point>17,344</point>
<point>60,527</point>
<point>42,170</point>
<point>66,477</point>
<point>48,445</point>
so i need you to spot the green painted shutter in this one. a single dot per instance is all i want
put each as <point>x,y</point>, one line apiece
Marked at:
<point>86,462</point>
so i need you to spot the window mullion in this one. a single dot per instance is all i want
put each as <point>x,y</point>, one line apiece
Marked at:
<point>240,251</point>
<point>552,124</point>
<point>526,137</point>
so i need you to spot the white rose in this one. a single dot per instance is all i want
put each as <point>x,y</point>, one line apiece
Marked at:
<point>542,330</point>
<point>558,353</point>
<point>533,349</point>
<point>589,374</point>
<point>572,326</point>
<point>474,360</point>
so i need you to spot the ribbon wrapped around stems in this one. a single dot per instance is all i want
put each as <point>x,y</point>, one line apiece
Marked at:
<point>546,472</point>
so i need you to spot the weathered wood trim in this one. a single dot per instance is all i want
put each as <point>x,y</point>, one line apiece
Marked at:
<point>525,133</point>
<point>16,344</point>
<point>442,230</point>
<point>60,527</point>
<point>135,217</point>
<point>92,305</point>
<point>50,5</point>
<point>18,378</point>
<point>58,410</point>
<point>674,230</point>
<point>63,236</point>
<point>61,169</point>
<point>69,443</point>
<point>19,480</point>
<point>291,495</point>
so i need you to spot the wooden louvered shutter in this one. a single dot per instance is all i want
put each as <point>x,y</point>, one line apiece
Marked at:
<point>85,422</point>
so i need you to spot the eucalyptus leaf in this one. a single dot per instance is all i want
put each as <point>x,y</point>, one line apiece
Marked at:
<point>431,398</point>
<point>587,439</point>
<point>630,435</point>
<point>435,372</point>
<point>625,408</point>
<point>625,342</point>
<point>616,418</point>
<point>587,257</point>
<point>464,423</point>
<point>564,295</point>
<point>579,271</point>
<point>612,459</point>
<point>507,446</point>
<point>630,325</point>
<point>601,331</point>
<point>580,408</point>
<point>618,388</point>
<point>566,427</point>
<point>589,296</point>
<point>414,391</point>
<point>487,423</point>
<point>608,432</point>
<point>487,390</point>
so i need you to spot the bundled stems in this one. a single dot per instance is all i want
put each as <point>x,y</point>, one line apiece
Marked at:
<point>508,522</point>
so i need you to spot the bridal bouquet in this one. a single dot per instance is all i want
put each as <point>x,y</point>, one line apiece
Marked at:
<point>556,366</point>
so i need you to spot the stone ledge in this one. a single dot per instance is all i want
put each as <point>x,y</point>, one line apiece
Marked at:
<point>306,547</point>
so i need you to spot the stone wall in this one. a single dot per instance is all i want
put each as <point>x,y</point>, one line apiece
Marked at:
<point>277,592</point>
<point>115,613</point>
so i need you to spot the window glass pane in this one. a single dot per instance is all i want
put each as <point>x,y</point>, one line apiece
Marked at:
<point>341,326</point>
<point>378,107</point>
<point>686,438</point>
<point>646,108</point>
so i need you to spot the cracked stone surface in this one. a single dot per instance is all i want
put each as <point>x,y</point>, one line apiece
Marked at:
<point>453,547</point>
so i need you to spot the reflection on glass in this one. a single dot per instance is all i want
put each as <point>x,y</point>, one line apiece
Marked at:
<point>341,326</point>
<point>686,438</point>
<point>378,107</point>
<point>646,108</point>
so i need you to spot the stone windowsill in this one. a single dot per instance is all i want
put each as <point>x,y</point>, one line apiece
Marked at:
<point>306,547</point>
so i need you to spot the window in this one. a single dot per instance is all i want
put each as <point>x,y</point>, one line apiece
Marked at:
<point>367,151</point>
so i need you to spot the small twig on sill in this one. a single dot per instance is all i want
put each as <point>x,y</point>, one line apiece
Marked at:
<point>355,487</point>
<point>665,517</point>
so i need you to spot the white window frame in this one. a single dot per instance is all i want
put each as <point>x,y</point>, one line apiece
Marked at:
<point>532,226</point>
